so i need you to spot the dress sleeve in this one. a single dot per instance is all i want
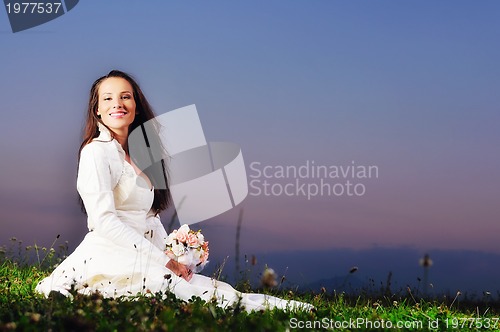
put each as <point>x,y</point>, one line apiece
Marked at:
<point>94,185</point>
<point>157,233</point>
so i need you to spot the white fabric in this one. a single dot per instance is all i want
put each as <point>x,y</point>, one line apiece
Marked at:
<point>123,252</point>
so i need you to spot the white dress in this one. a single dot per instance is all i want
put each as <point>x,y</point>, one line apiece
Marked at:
<point>123,253</point>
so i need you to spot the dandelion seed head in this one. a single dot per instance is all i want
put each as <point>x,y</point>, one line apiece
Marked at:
<point>269,278</point>
<point>426,261</point>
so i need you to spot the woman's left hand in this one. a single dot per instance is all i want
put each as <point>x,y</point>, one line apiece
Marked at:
<point>179,269</point>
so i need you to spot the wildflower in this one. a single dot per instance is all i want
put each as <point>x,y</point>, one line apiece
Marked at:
<point>35,317</point>
<point>11,326</point>
<point>426,261</point>
<point>268,279</point>
<point>254,260</point>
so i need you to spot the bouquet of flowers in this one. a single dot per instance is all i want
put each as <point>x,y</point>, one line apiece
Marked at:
<point>188,248</point>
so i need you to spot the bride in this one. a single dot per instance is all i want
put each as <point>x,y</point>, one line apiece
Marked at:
<point>123,252</point>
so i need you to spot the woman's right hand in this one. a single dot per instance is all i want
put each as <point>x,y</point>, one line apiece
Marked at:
<point>179,269</point>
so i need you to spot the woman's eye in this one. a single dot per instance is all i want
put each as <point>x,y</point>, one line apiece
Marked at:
<point>107,98</point>
<point>126,97</point>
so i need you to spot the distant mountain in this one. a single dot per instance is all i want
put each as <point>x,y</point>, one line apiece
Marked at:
<point>347,284</point>
<point>452,270</point>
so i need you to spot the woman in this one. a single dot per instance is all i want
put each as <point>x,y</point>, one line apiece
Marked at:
<point>123,253</point>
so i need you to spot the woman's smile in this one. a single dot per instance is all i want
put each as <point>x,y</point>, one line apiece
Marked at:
<point>118,114</point>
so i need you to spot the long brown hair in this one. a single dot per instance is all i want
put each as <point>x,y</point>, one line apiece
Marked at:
<point>144,112</point>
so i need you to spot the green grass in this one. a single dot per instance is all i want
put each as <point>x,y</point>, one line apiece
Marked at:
<point>23,309</point>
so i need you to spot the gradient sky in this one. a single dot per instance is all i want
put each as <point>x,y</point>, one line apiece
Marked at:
<point>412,87</point>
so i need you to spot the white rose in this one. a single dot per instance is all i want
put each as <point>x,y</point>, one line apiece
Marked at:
<point>178,249</point>
<point>184,228</point>
<point>201,238</point>
<point>187,258</point>
<point>170,239</point>
<point>197,254</point>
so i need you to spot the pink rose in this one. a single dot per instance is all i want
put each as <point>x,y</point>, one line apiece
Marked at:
<point>181,237</point>
<point>192,239</point>
<point>182,233</point>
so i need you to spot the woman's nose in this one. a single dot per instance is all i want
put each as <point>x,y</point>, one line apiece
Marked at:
<point>118,104</point>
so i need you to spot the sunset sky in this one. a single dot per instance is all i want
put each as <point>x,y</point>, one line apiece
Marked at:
<point>411,88</point>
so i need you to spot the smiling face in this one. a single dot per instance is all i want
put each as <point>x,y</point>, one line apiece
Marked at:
<point>116,104</point>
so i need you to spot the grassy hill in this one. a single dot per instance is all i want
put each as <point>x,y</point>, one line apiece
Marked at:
<point>24,310</point>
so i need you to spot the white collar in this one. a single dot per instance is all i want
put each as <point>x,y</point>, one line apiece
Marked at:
<point>104,133</point>
<point>105,136</point>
